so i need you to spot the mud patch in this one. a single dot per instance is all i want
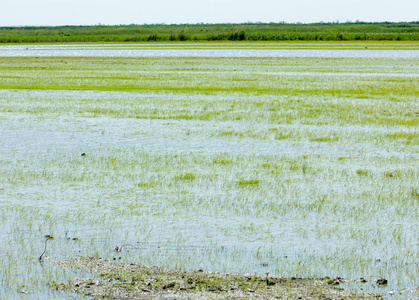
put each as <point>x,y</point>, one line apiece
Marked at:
<point>133,281</point>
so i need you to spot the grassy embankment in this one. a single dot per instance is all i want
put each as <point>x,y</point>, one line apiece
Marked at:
<point>408,31</point>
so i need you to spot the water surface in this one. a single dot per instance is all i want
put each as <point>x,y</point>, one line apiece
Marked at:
<point>59,50</point>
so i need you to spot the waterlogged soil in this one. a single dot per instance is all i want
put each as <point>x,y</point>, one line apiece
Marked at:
<point>134,281</point>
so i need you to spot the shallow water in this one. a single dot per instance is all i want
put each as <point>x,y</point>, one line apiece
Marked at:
<point>34,141</point>
<point>23,132</point>
<point>60,50</point>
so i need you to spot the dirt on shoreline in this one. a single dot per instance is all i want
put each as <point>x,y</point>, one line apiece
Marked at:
<point>133,281</point>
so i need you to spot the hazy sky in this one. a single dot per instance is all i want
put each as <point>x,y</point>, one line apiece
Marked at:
<point>90,12</point>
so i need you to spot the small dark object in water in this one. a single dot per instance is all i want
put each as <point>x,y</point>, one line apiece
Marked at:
<point>119,249</point>
<point>382,281</point>
<point>362,279</point>
<point>83,154</point>
<point>333,282</point>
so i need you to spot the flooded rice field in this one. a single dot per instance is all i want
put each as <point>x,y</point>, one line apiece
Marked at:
<point>293,166</point>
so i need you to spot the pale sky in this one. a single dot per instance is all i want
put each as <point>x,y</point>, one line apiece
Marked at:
<point>110,12</point>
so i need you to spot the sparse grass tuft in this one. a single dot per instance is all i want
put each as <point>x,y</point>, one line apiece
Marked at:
<point>222,161</point>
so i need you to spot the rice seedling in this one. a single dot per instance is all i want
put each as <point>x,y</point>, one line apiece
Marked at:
<point>248,183</point>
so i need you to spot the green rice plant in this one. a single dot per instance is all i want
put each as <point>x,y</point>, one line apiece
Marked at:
<point>362,172</point>
<point>393,173</point>
<point>147,184</point>
<point>231,133</point>
<point>222,160</point>
<point>248,183</point>
<point>409,138</point>
<point>325,139</point>
<point>186,177</point>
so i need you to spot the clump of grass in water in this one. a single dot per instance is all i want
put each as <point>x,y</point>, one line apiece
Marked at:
<point>325,139</point>
<point>248,183</point>
<point>362,172</point>
<point>186,177</point>
<point>395,173</point>
<point>147,184</point>
<point>222,161</point>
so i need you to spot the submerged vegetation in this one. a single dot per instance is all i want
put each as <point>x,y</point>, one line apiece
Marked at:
<point>358,31</point>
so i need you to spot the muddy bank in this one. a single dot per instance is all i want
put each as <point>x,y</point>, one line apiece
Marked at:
<point>133,281</point>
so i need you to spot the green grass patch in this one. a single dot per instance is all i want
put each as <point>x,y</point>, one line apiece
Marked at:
<point>349,31</point>
<point>325,139</point>
<point>249,183</point>
<point>362,172</point>
<point>186,177</point>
